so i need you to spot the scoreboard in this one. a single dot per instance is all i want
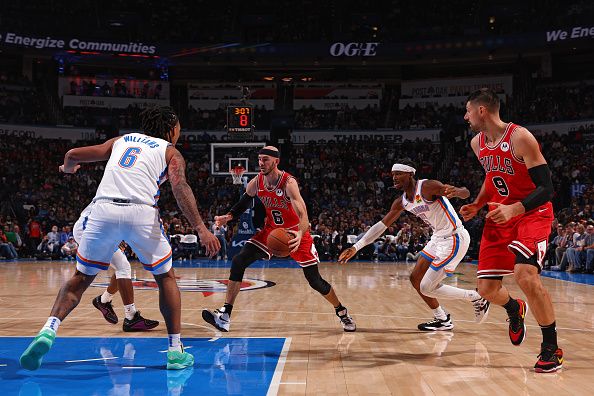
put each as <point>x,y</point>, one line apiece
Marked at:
<point>239,119</point>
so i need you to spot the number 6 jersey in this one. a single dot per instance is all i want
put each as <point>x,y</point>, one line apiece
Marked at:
<point>135,159</point>
<point>279,210</point>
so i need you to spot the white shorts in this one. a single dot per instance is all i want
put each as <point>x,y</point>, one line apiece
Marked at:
<point>109,223</point>
<point>447,252</point>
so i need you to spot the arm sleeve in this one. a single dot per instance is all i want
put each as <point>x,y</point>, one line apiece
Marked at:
<point>241,206</point>
<point>543,193</point>
<point>371,235</point>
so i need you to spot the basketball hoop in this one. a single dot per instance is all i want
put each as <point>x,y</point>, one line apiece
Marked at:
<point>236,173</point>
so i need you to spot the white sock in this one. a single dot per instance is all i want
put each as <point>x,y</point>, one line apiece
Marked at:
<point>52,324</point>
<point>106,297</point>
<point>439,313</point>
<point>129,311</point>
<point>175,342</point>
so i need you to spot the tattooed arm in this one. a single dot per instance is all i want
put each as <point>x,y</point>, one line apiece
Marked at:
<point>176,173</point>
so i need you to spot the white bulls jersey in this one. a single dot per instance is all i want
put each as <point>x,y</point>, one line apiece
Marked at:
<point>135,170</point>
<point>438,214</point>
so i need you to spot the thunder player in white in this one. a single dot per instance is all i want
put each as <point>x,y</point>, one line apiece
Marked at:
<point>125,209</point>
<point>428,200</point>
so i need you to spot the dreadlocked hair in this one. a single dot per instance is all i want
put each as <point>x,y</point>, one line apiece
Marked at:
<point>158,121</point>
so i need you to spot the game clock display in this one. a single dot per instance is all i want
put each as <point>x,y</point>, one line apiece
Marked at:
<point>239,118</point>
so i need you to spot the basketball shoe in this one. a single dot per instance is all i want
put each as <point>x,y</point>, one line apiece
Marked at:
<point>106,309</point>
<point>217,318</point>
<point>138,323</point>
<point>437,325</point>
<point>549,360</point>
<point>177,360</point>
<point>517,327</point>
<point>481,309</point>
<point>348,324</point>
<point>33,355</point>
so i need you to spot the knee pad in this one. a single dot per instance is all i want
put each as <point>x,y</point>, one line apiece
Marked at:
<point>315,280</point>
<point>248,254</point>
<point>121,265</point>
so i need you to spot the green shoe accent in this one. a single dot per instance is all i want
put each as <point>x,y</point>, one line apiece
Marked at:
<point>31,358</point>
<point>179,360</point>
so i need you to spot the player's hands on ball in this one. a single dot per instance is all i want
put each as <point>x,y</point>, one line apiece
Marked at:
<point>296,241</point>
<point>63,169</point>
<point>469,211</point>
<point>346,255</point>
<point>209,241</point>
<point>503,213</point>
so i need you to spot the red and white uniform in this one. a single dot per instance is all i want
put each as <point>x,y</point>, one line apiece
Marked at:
<point>280,214</point>
<point>507,181</point>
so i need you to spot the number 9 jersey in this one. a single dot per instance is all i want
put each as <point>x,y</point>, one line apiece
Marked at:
<point>507,180</point>
<point>523,238</point>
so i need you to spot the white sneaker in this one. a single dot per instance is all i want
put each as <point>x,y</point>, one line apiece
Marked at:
<point>481,309</point>
<point>348,324</point>
<point>218,319</point>
<point>437,325</point>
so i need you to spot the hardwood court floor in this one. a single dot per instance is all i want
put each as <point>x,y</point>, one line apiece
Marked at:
<point>387,355</point>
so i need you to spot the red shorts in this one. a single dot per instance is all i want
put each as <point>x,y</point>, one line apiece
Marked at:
<point>305,255</point>
<point>526,235</point>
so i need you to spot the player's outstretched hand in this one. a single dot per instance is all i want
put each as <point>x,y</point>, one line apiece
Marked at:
<point>469,211</point>
<point>63,169</point>
<point>296,241</point>
<point>346,255</point>
<point>222,220</point>
<point>209,241</point>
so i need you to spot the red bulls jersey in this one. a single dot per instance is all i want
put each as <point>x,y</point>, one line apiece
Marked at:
<point>507,180</point>
<point>279,210</point>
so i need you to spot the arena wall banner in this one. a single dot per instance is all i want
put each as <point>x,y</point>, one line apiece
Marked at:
<point>34,131</point>
<point>434,88</point>
<point>47,42</point>
<point>456,101</point>
<point>110,102</point>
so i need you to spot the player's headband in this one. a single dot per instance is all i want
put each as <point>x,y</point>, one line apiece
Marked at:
<point>269,152</point>
<point>403,168</point>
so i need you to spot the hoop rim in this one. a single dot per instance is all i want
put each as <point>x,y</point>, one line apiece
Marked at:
<point>236,173</point>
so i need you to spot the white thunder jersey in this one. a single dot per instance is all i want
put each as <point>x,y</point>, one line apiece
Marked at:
<point>135,158</point>
<point>438,214</point>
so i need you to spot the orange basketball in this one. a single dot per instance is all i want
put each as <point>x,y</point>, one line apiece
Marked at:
<point>278,242</point>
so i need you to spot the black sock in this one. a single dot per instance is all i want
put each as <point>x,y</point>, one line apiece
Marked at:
<point>339,309</point>
<point>228,308</point>
<point>512,307</point>
<point>549,334</point>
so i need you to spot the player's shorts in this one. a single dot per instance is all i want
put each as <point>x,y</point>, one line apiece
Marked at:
<point>118,261</point>
<point>447,251</point>
<point>526,235</point>
<point>108,223</point>
<point>305,255</point>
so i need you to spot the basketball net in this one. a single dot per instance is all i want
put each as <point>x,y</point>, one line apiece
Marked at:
<point>236,173</point>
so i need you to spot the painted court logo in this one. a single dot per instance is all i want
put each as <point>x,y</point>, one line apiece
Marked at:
<point>204,286</point>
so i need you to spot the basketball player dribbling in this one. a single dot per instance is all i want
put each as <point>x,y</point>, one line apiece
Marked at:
<point>125,209</point>
<point>428,200</point>
<point>279,193</point>
<point>518,190</point>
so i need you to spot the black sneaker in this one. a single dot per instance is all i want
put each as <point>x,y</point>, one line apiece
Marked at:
<point>517,327</point>
<point>106,309</point>
<point>138,323</point>
<point>437,325</point>
<point>549,360</point>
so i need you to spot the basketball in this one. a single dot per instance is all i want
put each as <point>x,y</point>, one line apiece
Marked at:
<point>278,242</point>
